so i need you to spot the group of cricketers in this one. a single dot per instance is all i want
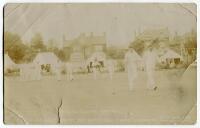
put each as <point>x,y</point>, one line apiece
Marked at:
<point>149,58</point>
<point>131,63</point>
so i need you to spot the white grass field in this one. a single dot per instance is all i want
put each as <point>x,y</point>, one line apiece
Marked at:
<point>101,101</point>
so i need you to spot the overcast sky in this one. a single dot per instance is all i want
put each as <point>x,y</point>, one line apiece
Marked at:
<point>119,21</point>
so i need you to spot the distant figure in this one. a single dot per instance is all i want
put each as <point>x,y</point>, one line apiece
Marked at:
<point>37,71</point>
<point>91,66</point>
<point>172,64</point>
<point>58,70</point>
<point>111,68</point>
<point>131,59</point>
<point>27,72</point>
<point>69,68</point>
<point>22,72</point>
<point>88,68</point>
<point>150,62</point>
<point>100,65</point>
<point>31,70</point>
<point>95,65</point>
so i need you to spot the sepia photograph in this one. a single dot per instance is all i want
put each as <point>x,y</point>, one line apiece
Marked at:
<point>100,63</point>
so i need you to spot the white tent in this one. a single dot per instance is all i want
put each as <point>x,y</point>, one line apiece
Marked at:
<point>170,54</point>
<point>8,62</point>
<point>46,58</point>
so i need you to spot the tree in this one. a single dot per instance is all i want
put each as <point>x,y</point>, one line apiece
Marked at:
<point>51,45</point>
<point>14,47</point>
<point>61,55</point>
<point>191,42</point>
<point>115,52</point>
<point>138,46</point>
<point>37,42</point>
<point>17,52</point>
<point>10,40</point>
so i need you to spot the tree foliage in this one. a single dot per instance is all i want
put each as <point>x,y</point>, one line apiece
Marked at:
<point>58,53</point>
<point>115,52</point>
<point>37,42</point>
<point>138,46</point>
<point>191,42</point>
<point>14,47</point>
<point>21,52</point>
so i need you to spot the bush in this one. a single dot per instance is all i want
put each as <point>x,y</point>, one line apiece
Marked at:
<point>12,72</point>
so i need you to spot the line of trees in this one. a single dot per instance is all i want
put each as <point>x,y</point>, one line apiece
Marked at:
<point>21,52</point>
<point>115,52</point>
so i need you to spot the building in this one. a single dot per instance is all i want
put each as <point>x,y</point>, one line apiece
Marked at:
<point>85,48</point>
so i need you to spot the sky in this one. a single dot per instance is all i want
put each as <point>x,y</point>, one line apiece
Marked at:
<point>120,22</point>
